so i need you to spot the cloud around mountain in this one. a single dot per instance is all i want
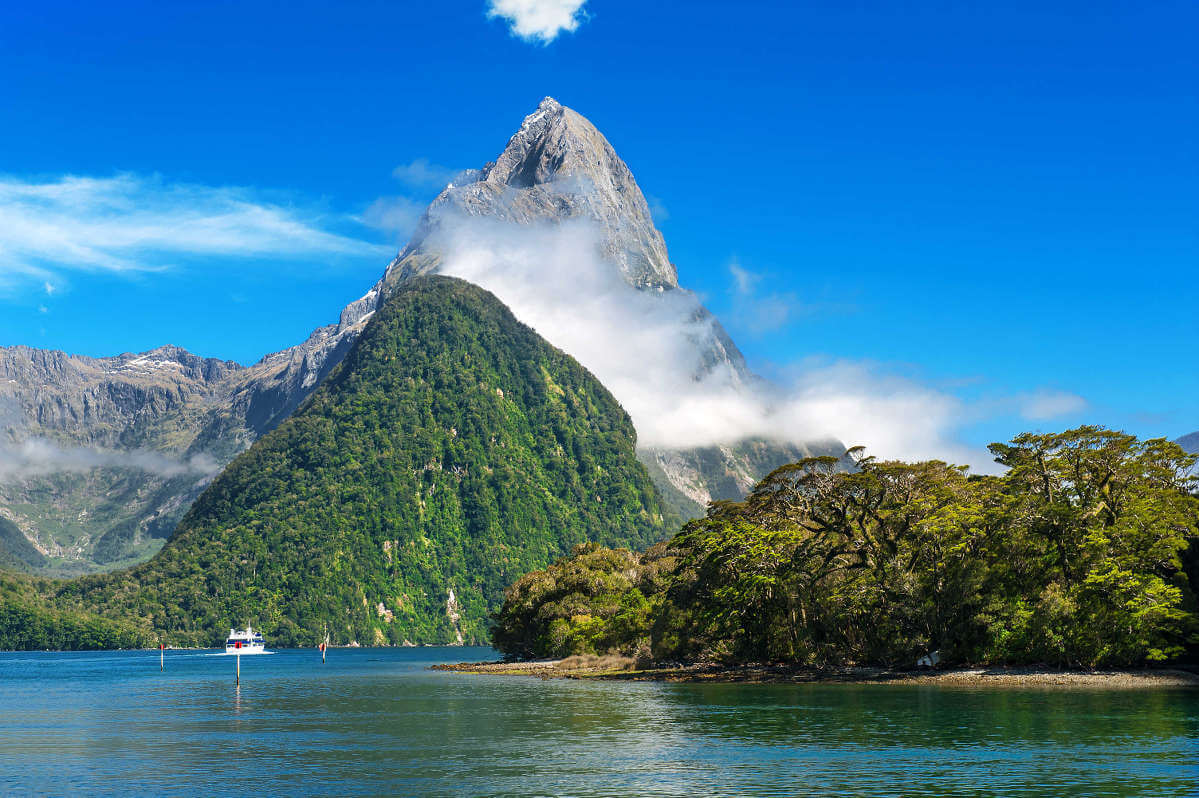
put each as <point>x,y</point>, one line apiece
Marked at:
<point>641,345</point>
<point>38,456</point>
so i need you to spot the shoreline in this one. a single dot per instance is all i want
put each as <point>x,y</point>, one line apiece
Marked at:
<point>619,669</point>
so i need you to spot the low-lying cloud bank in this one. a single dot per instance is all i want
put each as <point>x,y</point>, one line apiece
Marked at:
<point>38,457</point>
<point>643,346</point>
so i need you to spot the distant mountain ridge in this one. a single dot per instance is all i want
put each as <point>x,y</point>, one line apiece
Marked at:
<point>100,457</point>
<point>1190,442</point>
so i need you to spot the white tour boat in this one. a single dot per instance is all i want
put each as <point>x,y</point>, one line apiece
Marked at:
<point>245,642</point>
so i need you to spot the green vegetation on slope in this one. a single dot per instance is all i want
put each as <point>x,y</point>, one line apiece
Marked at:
<point>29,621</point>
<point>16,552</point>
<point>1078,555</point>
<point>452,450</point>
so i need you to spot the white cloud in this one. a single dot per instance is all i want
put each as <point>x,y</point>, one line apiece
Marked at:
<point>657,209</point>
<point>744,281</point>
<point>759,312</point>
<point>421,173</point>
<point>641,346</point>
<point>538,20</point>
<point>395,215</point>
<point>40,456</point>
<point>133,223</point>
<point>1046,405</point>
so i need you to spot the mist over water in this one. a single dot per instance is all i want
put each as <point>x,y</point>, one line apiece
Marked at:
<point>376,721</point>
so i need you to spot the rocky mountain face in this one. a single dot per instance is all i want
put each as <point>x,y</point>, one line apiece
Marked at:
<point>557,167</point>
<point>1190,442</point>
<point>101,457</point>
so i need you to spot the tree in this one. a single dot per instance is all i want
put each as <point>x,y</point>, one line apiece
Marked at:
<point>1101,520</point>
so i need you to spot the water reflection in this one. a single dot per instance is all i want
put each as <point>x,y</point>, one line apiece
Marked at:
<point>1010,742</point>
<point>372,722</point>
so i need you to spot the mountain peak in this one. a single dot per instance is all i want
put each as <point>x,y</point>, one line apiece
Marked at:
<point>556,143</point>
<point>548,105</point>
<point>556,167</point>
<point>547,108</point>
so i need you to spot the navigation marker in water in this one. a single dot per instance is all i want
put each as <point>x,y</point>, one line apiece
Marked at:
<point>161,657</point>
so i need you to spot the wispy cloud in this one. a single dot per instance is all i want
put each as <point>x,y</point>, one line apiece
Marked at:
<point>132,223</point>
<point>40,456</point>
<point>398,214</point>
<point>744,281</point>
<point>538,21</point>
<point>394,215</point>
<point>421,173</point>
<point>756,309</point>
<point>1047,405</point>
<point>657,209</point>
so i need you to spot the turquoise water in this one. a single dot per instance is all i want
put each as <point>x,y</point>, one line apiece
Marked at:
<point>377,721</point>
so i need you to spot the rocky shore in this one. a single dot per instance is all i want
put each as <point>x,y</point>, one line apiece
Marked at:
<point>624,669</point>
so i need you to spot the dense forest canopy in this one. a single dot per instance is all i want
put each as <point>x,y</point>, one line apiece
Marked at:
<point>1084,552</point>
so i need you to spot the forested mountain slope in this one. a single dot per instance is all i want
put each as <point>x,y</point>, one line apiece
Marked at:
<point>451,451</point>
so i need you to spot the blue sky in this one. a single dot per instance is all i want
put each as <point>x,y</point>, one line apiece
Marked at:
<point>996,203</point>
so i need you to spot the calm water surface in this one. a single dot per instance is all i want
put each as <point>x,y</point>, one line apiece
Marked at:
<point>379,722</point>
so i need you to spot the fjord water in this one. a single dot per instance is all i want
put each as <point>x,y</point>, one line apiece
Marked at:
<point>377,721</point>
